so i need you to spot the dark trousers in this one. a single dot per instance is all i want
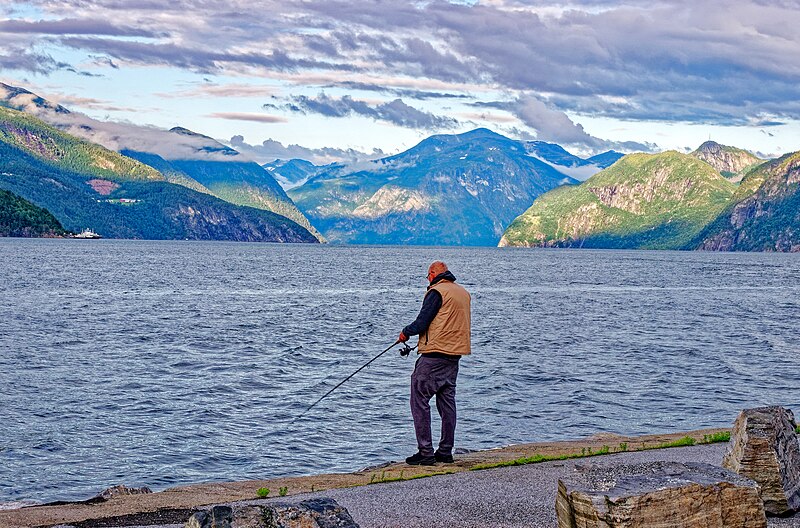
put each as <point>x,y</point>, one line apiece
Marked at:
<point>434,377</point>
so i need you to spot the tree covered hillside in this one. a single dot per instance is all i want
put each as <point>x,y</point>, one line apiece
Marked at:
<point>20,218</point>
<point>655,201</point>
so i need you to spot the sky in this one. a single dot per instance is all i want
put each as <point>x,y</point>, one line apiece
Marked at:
<point>329,80</point>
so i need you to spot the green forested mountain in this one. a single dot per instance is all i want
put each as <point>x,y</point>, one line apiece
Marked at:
<point>85,185</point>
<point>222,171</point>
<point>764,214</point>
<point>448,190</point>
<point>20,218</point>
<point>657,201</point>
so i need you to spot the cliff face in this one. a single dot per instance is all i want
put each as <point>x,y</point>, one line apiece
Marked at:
<point>642,201</point>
<point>765,213</point>
<point>731,162</point>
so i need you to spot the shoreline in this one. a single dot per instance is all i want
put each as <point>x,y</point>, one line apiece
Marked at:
<point>175,505</point>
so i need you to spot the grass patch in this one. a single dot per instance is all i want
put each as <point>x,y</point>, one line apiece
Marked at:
<point>383,478</point>
<point>536,459</point>
<point>723,436</point>
<point>283,491</point>
<point>262,493</point>
<point>797,429</point>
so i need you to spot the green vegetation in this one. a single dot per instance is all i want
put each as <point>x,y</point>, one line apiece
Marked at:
<point>283,491</point>
<point>20,218</point>
<point>723,436</point>
<point>50,145</point>
<point>585,452</point>
<point>383,478</point>
<point>763,214</point>
<point>797,429</point>
<point>646,201</point>
<point>262,493</point>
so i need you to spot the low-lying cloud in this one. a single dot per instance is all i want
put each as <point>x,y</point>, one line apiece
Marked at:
<point>396,112</point>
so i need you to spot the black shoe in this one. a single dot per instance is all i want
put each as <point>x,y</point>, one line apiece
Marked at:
<point>447,459</point>
<point>420,460</point>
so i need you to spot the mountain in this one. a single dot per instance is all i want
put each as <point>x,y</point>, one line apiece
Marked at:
<point>182,156</point>
<point>605,159</point>
<point>448,190</point>
<point>292,173</point>
<point>20,218</point>
<point>85,185</point>
<point>731,162</point>
<point>554,154</point>
<point>569,164</point>
<point>764,214</point>
<point>654,201</point>
<point>220,170</point>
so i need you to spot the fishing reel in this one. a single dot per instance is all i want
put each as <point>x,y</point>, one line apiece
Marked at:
<point>406,350</point>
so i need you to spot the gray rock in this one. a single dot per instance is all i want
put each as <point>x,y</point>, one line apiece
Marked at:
<point>312,513</point>
<point>659,495</point>
<point>765,448</point>
<point>116,491</point>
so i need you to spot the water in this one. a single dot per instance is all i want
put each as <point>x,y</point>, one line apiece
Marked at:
<point>165,363</point>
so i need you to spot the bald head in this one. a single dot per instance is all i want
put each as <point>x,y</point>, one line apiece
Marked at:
<point>436,268</point>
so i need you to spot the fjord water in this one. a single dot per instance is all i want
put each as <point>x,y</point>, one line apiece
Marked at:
<point>165,363</point>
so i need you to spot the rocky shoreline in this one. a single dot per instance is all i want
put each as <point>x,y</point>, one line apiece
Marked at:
<point>175,505</point>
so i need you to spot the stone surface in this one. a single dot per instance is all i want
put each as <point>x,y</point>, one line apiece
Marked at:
<point>116,491</point>
<point>659,495</point>
<point>764,447</point>
<point>312,513</point>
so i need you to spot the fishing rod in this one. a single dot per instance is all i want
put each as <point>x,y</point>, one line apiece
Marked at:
<point>405,351</point>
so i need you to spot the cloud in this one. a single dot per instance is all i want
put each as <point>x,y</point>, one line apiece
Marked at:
<point>671,60</point>
<point>270,150</point>
<point>72,26</point>
<point>244,116</point>
<point>396,111</point>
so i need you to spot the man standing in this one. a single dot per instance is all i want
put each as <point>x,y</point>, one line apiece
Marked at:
<point>443,326</point>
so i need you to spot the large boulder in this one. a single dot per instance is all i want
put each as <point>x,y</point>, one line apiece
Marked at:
<point>659,495</point>
<point>765,448</point>
<point>312,513</point>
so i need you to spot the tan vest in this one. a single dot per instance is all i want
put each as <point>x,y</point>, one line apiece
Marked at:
<point>449,331</point>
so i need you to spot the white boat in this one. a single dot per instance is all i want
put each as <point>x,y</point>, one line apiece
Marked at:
<point>87,233</point>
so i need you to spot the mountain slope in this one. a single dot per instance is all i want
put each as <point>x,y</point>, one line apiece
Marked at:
<point>731,162</point>
<point>447,190</point>
<point>764,214</point>
<point>20,218</point>
<point>86,185</point>
<point>657,201</point>
<point>223,172</point>
<point>183,156</point>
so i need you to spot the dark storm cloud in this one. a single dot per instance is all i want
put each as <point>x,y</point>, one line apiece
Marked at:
<point>396,111</point>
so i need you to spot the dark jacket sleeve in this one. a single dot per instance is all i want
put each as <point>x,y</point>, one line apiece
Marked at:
<point>430,307</point>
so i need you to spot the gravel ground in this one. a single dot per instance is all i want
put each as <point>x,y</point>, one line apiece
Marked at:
<point>513,497</point>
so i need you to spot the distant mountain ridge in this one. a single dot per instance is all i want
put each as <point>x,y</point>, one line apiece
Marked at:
<point>85,185</point>
<point>201,164</point>
<point>656,201</point>
<point>448,190</point>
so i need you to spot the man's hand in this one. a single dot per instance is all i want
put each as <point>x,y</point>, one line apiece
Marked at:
<point>403,338</point>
